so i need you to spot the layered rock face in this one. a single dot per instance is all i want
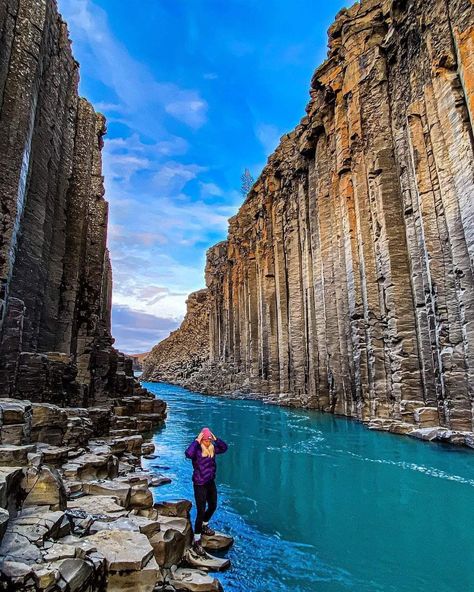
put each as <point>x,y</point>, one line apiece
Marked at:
<point>76,509</point>
<point>346,282</point>
<point>55,275</point>
<point>184,352</point>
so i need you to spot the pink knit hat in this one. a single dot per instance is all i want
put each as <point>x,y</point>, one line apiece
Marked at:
<point>206,434</point>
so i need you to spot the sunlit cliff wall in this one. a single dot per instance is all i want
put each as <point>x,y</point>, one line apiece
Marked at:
<point>346,282</point>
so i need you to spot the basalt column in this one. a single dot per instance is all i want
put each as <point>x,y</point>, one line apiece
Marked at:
<point>55,275</point>
<point>346,280</point>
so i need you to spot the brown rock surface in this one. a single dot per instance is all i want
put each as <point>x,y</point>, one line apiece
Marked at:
<point>182,354</point>
<point>346,282</point>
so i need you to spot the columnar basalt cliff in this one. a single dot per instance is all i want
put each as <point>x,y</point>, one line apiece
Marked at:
<point>76,509</point>
<point>346,281</point>
<point>184,352</point>
<point>55,275</point>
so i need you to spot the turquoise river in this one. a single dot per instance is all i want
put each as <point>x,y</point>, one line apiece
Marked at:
<point>319,503</point>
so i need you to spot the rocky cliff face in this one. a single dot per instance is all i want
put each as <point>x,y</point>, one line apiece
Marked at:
<point>55,275</point>
<point>183,353</point>
<point>346,281</point>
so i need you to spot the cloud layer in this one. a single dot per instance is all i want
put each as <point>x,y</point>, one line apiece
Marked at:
<point>194,93</point>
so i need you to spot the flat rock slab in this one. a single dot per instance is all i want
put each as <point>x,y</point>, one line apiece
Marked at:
<point>209,562</point>
<point>143,580</point>
<point>122,549</point>
<point>102,505</point>
<point>219,540</point>
<point>193,580</point>
<point>121,491</point>
<point>131,523</point>
<point>14,456</point>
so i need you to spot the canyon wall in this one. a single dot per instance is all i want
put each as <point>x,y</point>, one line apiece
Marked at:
<point>346,281</point>
<point>178,357</point>
<point>55,274</point>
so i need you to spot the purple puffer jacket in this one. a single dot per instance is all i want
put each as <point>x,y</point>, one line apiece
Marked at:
<point>204,466</point>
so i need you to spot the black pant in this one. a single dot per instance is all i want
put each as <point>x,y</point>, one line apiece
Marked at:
<point>203,494</point>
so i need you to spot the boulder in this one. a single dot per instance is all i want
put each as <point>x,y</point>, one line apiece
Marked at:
<point>44,487</point>
<point>182,525</point>
<point>218,540</point>
<point>114,489</point>
<point>207,562</point>
<point>98,505</point>
<point>148,448</point>
<point>10,487</point>
<point>90,467</point>
<point>179,508</point>
<point>53,455</point>
<point>19,576</point>
<point>14,411</point>
<point>428,434</point>
<point>75,574</point>
<point>15,456</point>
<point>131,523</point>
<point>168,546</point>
<point>193,580</point>
<point>140,497</point>
<point>143,580</point>
<point>123,550</point>
<point>46,575</point>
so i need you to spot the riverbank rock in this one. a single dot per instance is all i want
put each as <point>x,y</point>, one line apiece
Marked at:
<point>184,351</point>
<point>180,508</point>
<point>193,580</point>
<point>218,540</point>
<point>207,562</point>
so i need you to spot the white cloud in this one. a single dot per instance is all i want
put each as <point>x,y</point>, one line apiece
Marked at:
<point>188,108</point>
<point>172,176</point>
<point>210,189</point>
<point>132,82</point>
<point>269,136</point>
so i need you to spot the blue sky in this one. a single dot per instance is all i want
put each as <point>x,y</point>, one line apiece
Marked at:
<point>194,92</point>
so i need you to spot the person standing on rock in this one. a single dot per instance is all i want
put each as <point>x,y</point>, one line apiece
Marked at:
<point>202,452</point>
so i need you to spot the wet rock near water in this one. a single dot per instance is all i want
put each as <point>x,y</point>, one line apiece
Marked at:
<point>56,498</point>
<point>85,519</point>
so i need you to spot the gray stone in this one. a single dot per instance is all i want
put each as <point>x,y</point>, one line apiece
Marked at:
<point>218,540</point>
<point>207,562</point>
<point>123,550</point>
<point>193,580</point>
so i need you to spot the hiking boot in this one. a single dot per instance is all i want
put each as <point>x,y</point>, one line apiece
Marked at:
<point>207,530</point>
<point>199,549</point>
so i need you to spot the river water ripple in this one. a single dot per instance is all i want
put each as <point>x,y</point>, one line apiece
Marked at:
<point>319,503</point>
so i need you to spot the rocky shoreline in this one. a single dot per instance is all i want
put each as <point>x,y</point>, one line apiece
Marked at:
<point>76,508</point>
<point>416,421</point>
